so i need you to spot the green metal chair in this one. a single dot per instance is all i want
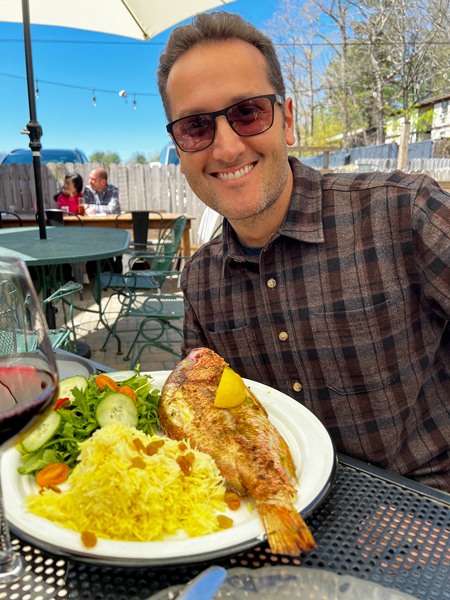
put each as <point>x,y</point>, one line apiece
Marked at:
<point>8,212</point>
<point>140,296</point>
<point>10,311</point>
<point>147,270</point>
<point>160,319</point>
<point>65,337</point>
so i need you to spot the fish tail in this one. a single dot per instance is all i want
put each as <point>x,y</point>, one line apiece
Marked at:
<point>287,532</point>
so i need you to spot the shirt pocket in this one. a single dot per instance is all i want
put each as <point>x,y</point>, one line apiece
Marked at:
<point>361,350</point>
<point>239,347</point>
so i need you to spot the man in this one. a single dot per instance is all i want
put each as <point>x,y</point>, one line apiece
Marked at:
<point>101,196</point>
<point>333,289</point>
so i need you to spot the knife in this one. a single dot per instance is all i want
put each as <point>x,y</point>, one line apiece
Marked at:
<point>205,585</point>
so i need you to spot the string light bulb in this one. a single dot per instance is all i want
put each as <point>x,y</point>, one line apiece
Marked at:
<point>134,102</point>
<point>36,91</point>
<point>94,102</point>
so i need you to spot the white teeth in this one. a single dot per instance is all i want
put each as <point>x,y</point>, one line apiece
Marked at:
<point>236,175</point>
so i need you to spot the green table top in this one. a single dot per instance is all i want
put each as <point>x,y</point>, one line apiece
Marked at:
<point>63,244</point>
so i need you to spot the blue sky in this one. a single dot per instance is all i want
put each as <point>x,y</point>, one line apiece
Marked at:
<point>66,114</point>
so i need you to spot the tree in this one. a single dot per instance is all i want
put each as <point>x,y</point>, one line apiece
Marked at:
<point>369,29</point>
<point>106,158</point>
<point>415,30</point>
<point>339,13</point>
<point>139,158</point>
<point>293,29</point>
<point>383,56</point>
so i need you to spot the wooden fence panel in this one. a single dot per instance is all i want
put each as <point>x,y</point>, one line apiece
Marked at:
<point>6,192</point>
<point>56,182</point>
<point>48,200</point>
<point>16,186</point>
<point>140,187</point>
<point>155,187</point>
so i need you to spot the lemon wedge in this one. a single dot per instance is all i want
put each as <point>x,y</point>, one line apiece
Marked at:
<point>232,390</point>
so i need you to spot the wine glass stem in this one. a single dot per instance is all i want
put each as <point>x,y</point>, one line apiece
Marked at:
<point>11,564</point>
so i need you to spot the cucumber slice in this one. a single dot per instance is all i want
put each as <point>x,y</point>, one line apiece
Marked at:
<point>119,376</point>
<point>117,408</point>
<point>66,386</point>
<point>43,432</point>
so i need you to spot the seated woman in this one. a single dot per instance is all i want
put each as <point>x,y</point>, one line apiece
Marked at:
<point>71,194</point>
<point>69,199</point>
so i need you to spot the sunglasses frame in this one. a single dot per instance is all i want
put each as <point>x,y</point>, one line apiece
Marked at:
<point>274,99</point>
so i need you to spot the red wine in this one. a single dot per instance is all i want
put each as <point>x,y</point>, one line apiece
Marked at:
<point>25,392</point>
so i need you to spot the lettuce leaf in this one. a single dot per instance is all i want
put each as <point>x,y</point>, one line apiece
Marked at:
<point>78,422</point>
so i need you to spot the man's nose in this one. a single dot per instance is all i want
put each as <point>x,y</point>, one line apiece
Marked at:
<point>227,143</point>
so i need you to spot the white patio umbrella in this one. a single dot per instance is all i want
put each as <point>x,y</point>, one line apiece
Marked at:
<point>141,19</point>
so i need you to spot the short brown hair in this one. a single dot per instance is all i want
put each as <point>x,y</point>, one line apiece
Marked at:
<point>207,29</point>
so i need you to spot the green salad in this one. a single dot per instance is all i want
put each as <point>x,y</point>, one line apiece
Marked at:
<point>84,406</point>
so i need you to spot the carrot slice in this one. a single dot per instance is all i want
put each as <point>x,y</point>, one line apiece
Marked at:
<point>102,380</point>
<point>128,391</point>
<point>53,474</point>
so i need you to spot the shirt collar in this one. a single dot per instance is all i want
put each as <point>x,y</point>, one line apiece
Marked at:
<point>303,220</point>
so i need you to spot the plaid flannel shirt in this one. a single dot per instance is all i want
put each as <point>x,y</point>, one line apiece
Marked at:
<point>106,201</point>
<point>345,310</point>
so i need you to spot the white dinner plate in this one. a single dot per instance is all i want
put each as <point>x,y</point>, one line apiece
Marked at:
<point>314,456</point>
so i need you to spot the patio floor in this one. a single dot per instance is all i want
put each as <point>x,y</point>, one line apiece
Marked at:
<point>88,331</point>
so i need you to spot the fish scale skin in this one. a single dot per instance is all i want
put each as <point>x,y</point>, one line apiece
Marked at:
<point>248,450</point>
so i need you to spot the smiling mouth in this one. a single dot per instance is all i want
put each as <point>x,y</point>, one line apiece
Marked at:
<point>233,176</point>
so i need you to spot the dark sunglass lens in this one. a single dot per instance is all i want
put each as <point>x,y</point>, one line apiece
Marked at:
<point>251,116</point>
<point>194,133</point>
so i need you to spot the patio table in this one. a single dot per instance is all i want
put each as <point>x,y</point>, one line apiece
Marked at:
<point>373,525</point>
<point>109,221</point>
<point>63,245</point>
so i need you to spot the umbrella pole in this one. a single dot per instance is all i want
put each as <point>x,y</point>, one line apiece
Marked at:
<point>33,129</point>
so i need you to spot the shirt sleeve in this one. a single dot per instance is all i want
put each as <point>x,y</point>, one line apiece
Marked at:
<point>431,235</point>
<point>88,196</point>
<point>113,206</point>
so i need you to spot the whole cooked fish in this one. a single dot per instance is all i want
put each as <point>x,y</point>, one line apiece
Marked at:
<point>248,450</point>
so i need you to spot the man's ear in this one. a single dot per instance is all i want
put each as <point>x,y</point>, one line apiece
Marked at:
<point>289,122</point>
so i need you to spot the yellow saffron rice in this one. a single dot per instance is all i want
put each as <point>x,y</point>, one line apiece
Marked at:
<point>112,498</point>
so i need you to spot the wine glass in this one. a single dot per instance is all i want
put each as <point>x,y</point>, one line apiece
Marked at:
<point>28,377</point>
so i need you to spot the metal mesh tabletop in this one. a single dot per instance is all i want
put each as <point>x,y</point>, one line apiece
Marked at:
<point>372,526</point>
<point>62,244</point>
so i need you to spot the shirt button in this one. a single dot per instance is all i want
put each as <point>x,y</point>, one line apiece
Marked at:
<point>271,283</point>
<point>297,387</point>
<point>283,336</point>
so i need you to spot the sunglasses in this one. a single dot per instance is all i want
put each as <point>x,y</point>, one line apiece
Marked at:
<point>247,117</point>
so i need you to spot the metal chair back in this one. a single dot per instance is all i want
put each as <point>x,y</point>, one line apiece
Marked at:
<point>8,212</point>
<point>162,259</point>
<point>55,216</point>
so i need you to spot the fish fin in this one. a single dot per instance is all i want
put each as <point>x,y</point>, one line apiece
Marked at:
<point>287,460</point>
<point>287,532</point>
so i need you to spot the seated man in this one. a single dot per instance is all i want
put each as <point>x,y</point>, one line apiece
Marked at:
<point>334,288</point>
<point>101,196</point>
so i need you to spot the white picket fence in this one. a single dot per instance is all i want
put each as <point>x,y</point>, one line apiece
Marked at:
<point>140,187</point>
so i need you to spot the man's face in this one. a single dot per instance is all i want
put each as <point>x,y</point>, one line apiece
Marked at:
<point>238,177</point>
<point>96,184</point>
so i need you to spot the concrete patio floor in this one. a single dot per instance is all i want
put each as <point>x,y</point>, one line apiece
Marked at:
<point>90,331</point>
